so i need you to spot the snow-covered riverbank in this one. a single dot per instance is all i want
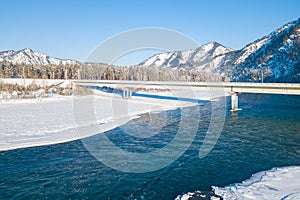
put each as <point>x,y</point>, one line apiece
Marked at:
<point>278,183</point>
<point>28,123</point>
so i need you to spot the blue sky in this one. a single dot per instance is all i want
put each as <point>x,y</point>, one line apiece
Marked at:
<point>71,29</point>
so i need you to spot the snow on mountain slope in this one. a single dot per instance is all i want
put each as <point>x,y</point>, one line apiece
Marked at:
<point>27,56</point>
<point>249,49</point>
<point>273,58</point>
<point>195,58</point>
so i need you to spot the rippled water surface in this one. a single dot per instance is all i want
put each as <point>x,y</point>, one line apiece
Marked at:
<point>265,134</point>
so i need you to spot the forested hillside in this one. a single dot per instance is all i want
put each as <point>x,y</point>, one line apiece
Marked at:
<point>102,72</point>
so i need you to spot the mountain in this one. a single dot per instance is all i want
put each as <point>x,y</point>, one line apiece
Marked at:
<point>27,56</point>
<point>273,58</point>
<point>194,58</point>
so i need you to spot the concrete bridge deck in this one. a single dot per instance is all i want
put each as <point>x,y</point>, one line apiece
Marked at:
<point>240,87</point>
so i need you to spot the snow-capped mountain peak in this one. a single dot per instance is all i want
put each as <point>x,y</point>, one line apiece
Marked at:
<point>27,50</point>
<point>28,56</point>
<point>272,58</point>
<point>187,58</point>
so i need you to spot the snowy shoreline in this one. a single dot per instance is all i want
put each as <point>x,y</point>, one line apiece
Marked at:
<point>276,183</point>
<point>30,123</point>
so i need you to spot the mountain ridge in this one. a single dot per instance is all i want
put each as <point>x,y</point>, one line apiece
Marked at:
<point>273,58</point>
<point>186,57</point>
<point>28,56</point>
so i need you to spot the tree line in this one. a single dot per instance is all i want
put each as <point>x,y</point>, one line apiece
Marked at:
<point>103,72</point>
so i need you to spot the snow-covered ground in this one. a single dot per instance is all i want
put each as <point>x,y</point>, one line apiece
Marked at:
<point>40,82</point>
<point>35,122</point>
<point>278,183</point>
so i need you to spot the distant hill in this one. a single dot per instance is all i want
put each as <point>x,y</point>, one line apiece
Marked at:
<point>27,56</point>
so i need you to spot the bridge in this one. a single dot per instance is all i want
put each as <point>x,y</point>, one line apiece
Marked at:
<point>127,87</point>
<point>232,88</point>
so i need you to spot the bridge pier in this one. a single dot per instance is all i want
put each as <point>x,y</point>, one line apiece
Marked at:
<point>234,101</point>
<point>127,94</point>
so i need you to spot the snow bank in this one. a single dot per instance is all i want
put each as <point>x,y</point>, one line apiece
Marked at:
<point>27,123</point>
<point>277,183</point>
<point>28,81</point>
